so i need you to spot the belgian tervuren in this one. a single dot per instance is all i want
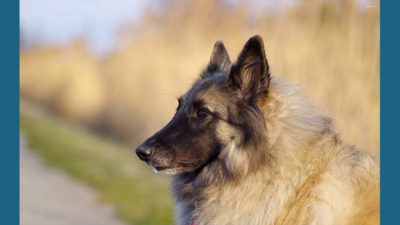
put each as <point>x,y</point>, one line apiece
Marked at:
<point>246,148</point>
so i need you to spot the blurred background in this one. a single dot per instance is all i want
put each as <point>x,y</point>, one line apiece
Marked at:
<point>98,77</point>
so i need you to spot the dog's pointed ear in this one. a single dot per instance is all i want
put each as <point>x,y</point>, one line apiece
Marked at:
<point>220,57</point>
<point>250,73</point>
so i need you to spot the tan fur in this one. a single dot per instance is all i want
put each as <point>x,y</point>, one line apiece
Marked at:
<point>310,176</point>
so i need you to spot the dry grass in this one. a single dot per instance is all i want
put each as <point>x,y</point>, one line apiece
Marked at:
<point>330,48</point>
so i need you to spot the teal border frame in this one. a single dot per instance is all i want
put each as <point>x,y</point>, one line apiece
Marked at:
<point>9,120</point>
<point>390,111</point>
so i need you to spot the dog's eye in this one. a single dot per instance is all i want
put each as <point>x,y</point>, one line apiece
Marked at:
<point>201,113</point>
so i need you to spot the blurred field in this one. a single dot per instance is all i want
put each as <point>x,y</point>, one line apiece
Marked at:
<point>330,48</point>
<point>110,168</point>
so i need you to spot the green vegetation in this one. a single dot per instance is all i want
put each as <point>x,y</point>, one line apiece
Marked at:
<point>112,169</point>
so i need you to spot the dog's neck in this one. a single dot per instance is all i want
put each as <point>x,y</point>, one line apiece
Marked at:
<point>291,120</point>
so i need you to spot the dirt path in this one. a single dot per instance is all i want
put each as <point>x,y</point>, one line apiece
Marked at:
<point>50,197</point>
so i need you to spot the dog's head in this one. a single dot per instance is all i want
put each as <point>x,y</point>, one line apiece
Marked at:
<point>219,109</point>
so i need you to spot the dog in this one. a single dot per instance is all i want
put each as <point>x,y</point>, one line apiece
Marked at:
<point>246,148</point>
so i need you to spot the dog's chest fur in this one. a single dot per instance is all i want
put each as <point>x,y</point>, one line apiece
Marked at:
<point>250,202</point>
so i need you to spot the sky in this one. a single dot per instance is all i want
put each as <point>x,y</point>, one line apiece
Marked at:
<point>59,21</point>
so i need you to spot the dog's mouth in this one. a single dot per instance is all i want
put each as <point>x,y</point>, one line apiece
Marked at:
<point>170,170</point>
<point>157,167</point>
<point>173,169</point>
<point>160,168</point>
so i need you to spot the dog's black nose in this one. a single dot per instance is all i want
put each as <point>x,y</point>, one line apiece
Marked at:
<point>144,152</point>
